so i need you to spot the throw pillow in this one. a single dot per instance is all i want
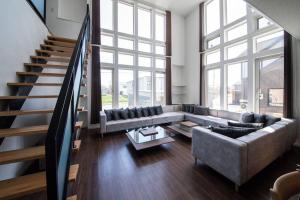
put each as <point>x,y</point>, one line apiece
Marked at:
<point>131,113</point>
<point>138,113</point>
<point>271,120</point>
<point>188,108</point>
<point>116,114</point>
<point>151,111</point>
<point>124,113</point>
<point>246,125</point>
<point>233,132</point>
<point>145,111</point>
<point>247,117</point>
<point>108,114</point>
<point>159,110</point>
<point>201,110</point>
<point>258,118</point>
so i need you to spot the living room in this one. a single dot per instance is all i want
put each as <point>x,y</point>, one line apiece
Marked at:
<point>165,99</point>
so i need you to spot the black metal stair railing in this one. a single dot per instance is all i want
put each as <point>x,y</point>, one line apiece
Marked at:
<point>61,129</point>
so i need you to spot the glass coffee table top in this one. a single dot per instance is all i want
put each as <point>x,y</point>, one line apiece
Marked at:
<point>139,138</point>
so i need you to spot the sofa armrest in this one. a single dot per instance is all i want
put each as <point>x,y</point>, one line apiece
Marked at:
<point>103,120</point>
<point>226,155</point>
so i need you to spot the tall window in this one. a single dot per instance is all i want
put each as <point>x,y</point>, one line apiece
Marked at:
<point>132,54</point>
<point>243,59</point>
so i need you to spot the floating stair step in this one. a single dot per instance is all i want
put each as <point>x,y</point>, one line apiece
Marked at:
<point>30,112</point>
<point>46,65</point>
<point>60,43</point>
<point>53,53</point>
<point>53,59</point>
<point>29,184</point>
<point>34,97</point>
<point>41,74</point>
<point>33,84</point>
<point>62,39</point>
<point>57,48</point>
<point>31,153</point>
<point>77,144</point>
<point>72,197</point>
<point>41,129</point>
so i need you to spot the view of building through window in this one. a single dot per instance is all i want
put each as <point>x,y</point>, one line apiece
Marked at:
<point>243,59</point>
<point>132,54</point>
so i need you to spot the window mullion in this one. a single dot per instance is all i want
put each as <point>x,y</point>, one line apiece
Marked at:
<point>116,70</point>
<point>135,80</point>
<point>222,67</point>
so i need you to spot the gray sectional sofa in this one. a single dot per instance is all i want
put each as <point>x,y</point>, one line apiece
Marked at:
<point>237,159</point>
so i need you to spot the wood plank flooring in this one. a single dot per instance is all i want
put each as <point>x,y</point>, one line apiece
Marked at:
<point>111,169</point>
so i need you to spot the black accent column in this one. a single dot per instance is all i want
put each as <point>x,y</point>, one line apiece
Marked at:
<point>288,76</point>
<point>168,59</point>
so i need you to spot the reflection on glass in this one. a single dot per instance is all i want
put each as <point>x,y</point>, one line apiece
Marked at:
<point>125,43</point>
<point>144,23</point>
<point>271,84</point>
<point>126,98</point>
<point>237,51</point>
<point>160,27</point>
<point>213,57</point>
<point>212,16</point>
<point>160,88</point>
<point>106,57</point>
<point>237,32</point>
<point>107,40</point>
<point>140,138</point>
<point>125,59</point>
<point>213,88</point>
<point>269,42</point>
<point>106,9</point>
<point>237,87</point>
<point>106,88</point>
<point>125,18</point>
<point>144,88</point>
<point>235,10</point>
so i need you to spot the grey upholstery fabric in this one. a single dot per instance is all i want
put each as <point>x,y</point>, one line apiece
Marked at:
<point>113,126</point>
<point>229,115</point>
<point>102,122</point>
<point>205,120</point>
<point>168,117</point>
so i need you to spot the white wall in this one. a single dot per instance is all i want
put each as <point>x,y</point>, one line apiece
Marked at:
<point>65,27</point>
<point>19,37</point>
<point>192,60</point>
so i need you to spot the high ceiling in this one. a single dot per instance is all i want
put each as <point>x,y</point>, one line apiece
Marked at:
<point>181,7</point>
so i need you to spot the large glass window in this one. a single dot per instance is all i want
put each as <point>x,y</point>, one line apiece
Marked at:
<point>237,32</point>
<point>213,88</point>
<point>235,10</point>
<point>212,16</point>
<point>133,54</point>
<point>271,41</point>
<point>236,51</point>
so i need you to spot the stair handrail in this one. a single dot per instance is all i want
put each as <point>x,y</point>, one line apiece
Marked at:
<point>61,129</point>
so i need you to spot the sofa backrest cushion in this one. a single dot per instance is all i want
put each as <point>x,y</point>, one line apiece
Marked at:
<point>225,114</point>
<point>138,113</point>
<point>131,113</point>
<point>259,118</point>
<point>269,120</point>
<point>124,113</point>
<point>158,110</point>
<point>145,111</point>
<point>201,110</point>
<point>108,114</point>
<point>233,132</point>
<point>151,111</point>
<point>247,117</point>
<point>246,125</point>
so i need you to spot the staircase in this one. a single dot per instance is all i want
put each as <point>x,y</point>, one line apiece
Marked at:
<point>55,53</point>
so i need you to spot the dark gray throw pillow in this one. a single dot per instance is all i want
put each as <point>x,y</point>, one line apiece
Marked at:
<point>247,117</point>
<point>258,118</point>
<point>246,125</point>
<point>151,111</point>
<point>124,113</point>
<point>139,113</point>
<point>131,113</point>
<point>188,108</point>
<point>201,110</point>
<point>145,111</point>
<point>158,110</point>
<point>116,114</point>
<point>233,132</point>
<point>269,120</point>
<point>108,114</point>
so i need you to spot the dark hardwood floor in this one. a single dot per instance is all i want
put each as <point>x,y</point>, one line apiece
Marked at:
<point>111,169</point>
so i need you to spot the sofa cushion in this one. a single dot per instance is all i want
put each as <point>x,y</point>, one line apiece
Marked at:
<point>124,113</point>
<point>201,110</point>
<point>108,114</point>
<point>138,112</point>
<point>145,111</point>
<point>151,111</point>
<point>158,110</point>
<point>247,117</point>
<point>233,132</point>
<point>269,120</point>
<point>246,125</point>
<point>131,113</point>
<point>121,125</point>
<point>188,108</point>
<point>168,117</point>
<point>116,114</point>
<point>258,118</point>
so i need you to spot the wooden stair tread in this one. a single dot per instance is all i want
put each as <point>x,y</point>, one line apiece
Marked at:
<point>74,197</point>
<point>54,53</point>
<point>46,65</point>
<point>53,59</point>
<point>31,153</point>
<point>34,84</point>
<point>40,74</point>
<point>77,144</point>
<point>51,37</point>
<point>41,129</point>
<point>60,43</point>
<point>29,112</point>
<point>34,97</point>
<point>65,49</point>
<point>29,184</point>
